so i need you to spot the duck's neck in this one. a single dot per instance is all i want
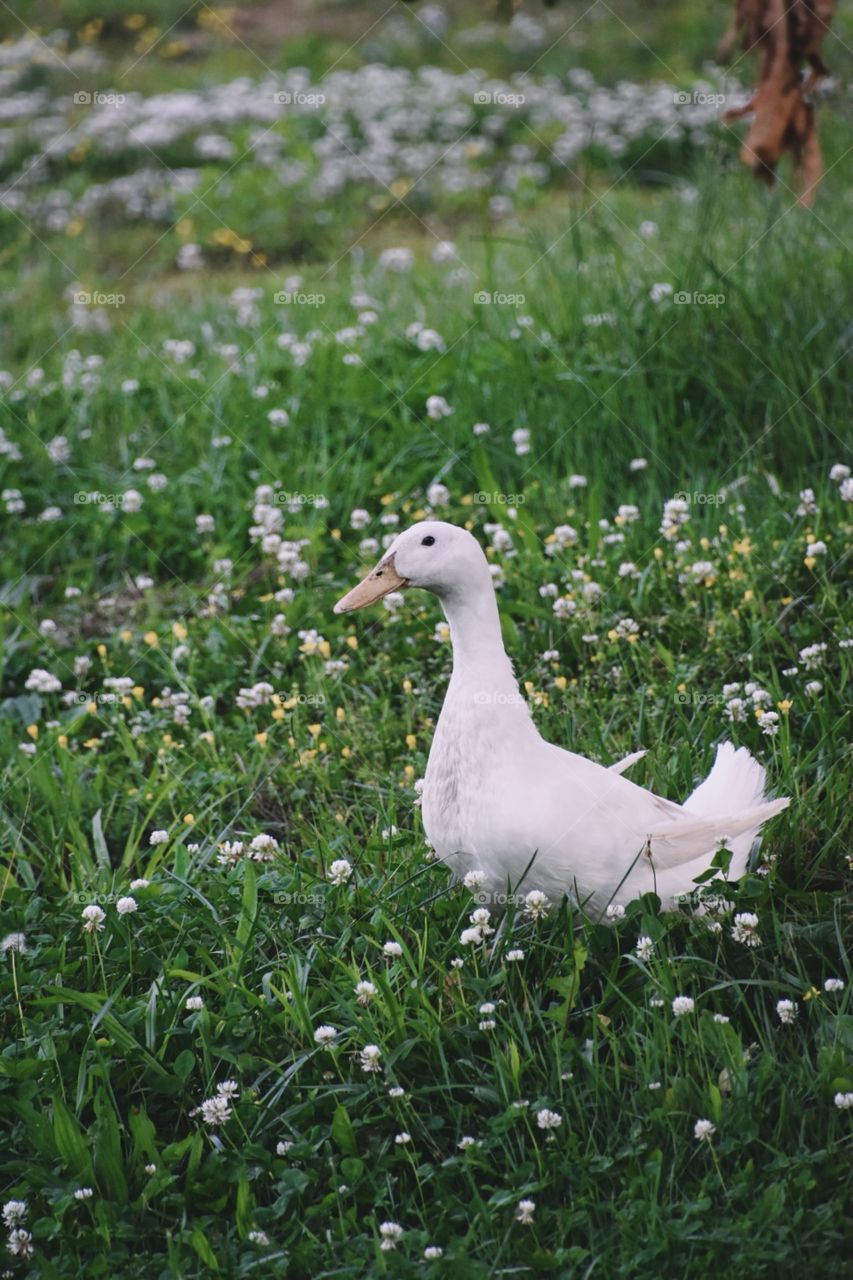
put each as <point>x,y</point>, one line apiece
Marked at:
<point>479,658</point>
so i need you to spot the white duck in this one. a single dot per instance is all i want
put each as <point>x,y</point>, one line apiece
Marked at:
<point>499,799</point>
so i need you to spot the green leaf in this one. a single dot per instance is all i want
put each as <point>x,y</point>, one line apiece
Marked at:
<point>245,1204</point>
<point>343,1132</point>
<point>250,904</point>
<point>102,853</point>
<point>70,1141</point>
<point>184,1065</point>
<point>352,1168</point>
<point>109,1166</point>
<point>201,1244</point>
<point>716,1103</point>
<point>143,1132</point>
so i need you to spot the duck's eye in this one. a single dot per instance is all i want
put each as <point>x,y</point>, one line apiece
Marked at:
<point>427,541</point>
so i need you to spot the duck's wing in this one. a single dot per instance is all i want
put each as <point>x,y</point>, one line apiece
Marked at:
<point>622,765</point>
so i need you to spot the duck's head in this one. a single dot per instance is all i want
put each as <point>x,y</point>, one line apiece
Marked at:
<point>437,556</point>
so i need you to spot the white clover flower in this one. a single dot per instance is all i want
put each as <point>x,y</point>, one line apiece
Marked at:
<point>397,259</point>
<point>41,681</point>
<point>20,1243</point>
<point>437,408</point>
<point>644,948</point>
<point>703,1130</point>
<point>14,1211</point>
<point>722,1019</point>
<point>403,1139</point>
<point>15,943</point>
<point>194,1003</point>
<point>392,950</point>
<point>438,495</point>
<point>325,1035</point>
<point>833,984</point>
<point>808,505</point>
<point>682,1005</point>
<point>365,991</point>
<point>467,1141</point>
<point>282,1148</point>
<point>370,1058</point>
<point>536,904</point>
<point>94,917</point>
<point>844,1101</point>
<point>474,880</point>
<point>258,1237</point>
<point>812,656</point>
<point>216,1111</point>
<point>546,1119</point>
<point>126,906</point>
<point>340,871</point>
<point>786,1011</point>
<point>615,911</point>
<point>390,1232</point>
<point>745,929</point>
<point>768,722</point>
<point>139,884</point>
<point>433,1252</point>
<point>263,848</point>
<point>396,1092</point>
<point>515,954</point>
<point>158,837</point>
<point>524,1212</point>
<point>521,440</point>
<point>83,1193</point>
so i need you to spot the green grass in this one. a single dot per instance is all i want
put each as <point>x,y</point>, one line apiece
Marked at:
<point>740,406</point>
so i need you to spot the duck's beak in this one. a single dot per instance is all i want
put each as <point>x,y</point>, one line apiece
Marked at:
<point>378,583</point>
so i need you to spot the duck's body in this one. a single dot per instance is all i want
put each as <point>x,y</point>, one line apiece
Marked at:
<point>526,814</point>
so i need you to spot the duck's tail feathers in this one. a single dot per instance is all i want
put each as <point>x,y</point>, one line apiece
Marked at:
<point>736,781</point>
<point>731,802</point>
<point>626,762</point>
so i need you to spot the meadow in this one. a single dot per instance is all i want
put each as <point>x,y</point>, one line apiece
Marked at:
<point>269,296</point>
